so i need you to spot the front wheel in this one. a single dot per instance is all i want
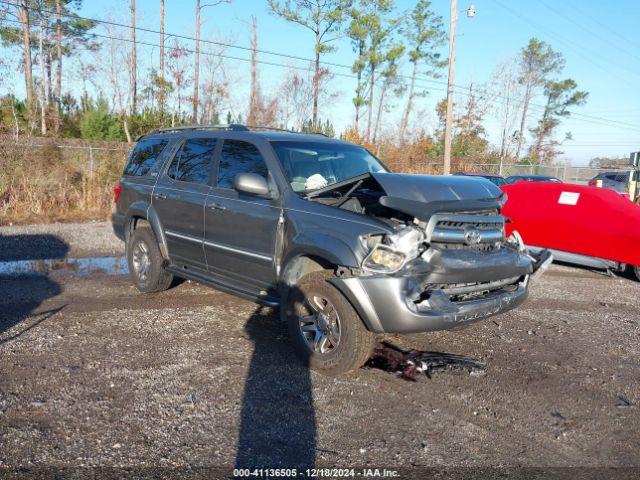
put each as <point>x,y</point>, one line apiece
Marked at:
<point>326,331</point>
<point>636,272</point>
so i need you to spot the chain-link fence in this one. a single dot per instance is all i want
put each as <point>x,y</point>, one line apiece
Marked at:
<point>67,179</point>
<point>50,181</point>
<point>567,173</point>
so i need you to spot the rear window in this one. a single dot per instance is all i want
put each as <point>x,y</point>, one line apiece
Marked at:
<point>144,156</point>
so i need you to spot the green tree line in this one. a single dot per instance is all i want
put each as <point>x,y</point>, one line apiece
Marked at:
<point>184,86</point>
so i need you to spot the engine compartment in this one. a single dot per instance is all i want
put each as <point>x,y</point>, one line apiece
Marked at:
<point>362,197</point>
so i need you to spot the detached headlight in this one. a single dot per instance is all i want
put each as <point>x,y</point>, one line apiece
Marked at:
<point>384,259</point>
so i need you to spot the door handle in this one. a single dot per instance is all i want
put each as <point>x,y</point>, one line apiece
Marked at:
<point>160,196</point>
<point>216,206</point>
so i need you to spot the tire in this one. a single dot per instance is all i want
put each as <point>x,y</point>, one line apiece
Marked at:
<point>148,275</point>
<point>332,316</point>
<point>636,272</point>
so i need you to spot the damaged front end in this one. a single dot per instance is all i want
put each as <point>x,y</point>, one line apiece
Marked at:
<point>448,262</point>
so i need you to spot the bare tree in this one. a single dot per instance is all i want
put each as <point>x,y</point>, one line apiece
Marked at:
<point>112,61</point>
<point>43,74</point>
<point>177,65</point>
<point>133,67</point>
<point>505,84</point>
<point>215,88</point>
<point>58,92</point>
<point>296,96</point>
<point>196,63</point>
<point>26,50</point>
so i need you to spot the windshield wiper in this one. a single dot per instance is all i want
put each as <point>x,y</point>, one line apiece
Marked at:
<point>346,196</point>
<point>333,186</point>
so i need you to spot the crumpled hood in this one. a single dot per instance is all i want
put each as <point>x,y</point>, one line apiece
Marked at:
<point>424,195</point>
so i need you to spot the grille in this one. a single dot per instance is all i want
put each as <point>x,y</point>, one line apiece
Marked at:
<point>469,291</point>
<point>480,232</point>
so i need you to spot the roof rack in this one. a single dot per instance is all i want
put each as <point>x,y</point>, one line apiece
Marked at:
<point>231,126</point>
<point>234,127</point>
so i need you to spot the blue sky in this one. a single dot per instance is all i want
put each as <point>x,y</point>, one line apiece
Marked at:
<point>598,39</point>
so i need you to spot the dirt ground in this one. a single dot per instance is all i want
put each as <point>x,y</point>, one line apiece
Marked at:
<point>95,374</point>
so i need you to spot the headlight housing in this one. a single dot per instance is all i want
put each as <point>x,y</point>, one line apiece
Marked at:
<point>384,259</point>
<point>389,253</point>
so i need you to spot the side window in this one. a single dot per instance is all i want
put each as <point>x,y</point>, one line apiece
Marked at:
<point>144,156</point>
<point>239,157</point>
<point>193,162</point>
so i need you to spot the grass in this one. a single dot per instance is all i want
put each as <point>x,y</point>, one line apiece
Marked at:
<point>42,181</point>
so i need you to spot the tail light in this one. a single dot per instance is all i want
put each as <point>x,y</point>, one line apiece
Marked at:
<point>117,190</point>
<point>592,183</point>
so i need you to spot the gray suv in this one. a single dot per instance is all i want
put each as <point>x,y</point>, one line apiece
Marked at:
<point>321,228</point>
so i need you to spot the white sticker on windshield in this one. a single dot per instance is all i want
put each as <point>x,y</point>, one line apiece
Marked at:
<point>568,198</point>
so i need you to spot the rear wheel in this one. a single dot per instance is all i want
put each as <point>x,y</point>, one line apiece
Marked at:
<point>146,265</point>
<point>326,331</point>
<point>636,272</point>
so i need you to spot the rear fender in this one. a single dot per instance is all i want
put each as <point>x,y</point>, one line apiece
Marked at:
<point>144,210</point>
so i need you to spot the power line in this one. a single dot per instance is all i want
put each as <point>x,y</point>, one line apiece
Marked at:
<point>576,48</point>
<point>580,10</point>
<point>460,88</point>
<point>441,85</point>
<point>587,30</point>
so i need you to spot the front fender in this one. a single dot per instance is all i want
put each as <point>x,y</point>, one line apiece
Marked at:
<point>323,246</point>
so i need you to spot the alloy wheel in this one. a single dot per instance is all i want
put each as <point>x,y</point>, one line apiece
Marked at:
<point>320,326</point>
<point>141,261</point>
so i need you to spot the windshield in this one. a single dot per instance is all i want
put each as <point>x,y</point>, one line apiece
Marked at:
<point>498,181</point>
<point>310,166</point>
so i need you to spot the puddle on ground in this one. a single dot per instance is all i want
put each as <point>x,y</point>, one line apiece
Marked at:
<point>76,266</point>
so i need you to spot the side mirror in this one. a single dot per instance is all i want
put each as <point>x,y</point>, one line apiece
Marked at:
<point>251,183</point>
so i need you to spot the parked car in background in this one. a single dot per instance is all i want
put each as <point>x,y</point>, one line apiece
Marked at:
<point>321,228</point>
<point>532,178</point>
<point>588,226</point>
<point>616,181</point>
<point>497,180</point>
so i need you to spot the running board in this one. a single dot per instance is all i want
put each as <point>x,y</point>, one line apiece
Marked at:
<point>266,300</point>
<point>577,259</point>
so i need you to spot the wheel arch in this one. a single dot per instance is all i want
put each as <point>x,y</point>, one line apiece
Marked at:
<point>143,214</point>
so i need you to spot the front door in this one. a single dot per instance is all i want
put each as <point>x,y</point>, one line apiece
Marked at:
<point>241,229</point>
<point>179,199</point>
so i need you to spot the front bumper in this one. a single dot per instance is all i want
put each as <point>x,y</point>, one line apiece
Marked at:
<point>385,304</point>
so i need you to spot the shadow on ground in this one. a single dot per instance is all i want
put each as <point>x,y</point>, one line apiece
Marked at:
<point>278,422</point>
<point>21,295</point>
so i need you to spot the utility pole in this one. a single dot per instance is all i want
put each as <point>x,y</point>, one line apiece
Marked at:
<point>449,116</point>
<point>471,12</point>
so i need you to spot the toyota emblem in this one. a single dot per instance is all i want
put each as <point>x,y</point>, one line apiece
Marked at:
<point>472,237</point>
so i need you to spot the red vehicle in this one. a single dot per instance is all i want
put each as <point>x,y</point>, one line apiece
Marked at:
<point>588,226</point>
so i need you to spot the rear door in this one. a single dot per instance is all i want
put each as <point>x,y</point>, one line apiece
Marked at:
<point>241,229</point>
<point>179,198</point>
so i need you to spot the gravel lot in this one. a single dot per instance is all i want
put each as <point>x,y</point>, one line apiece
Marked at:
<point>95,374</point>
